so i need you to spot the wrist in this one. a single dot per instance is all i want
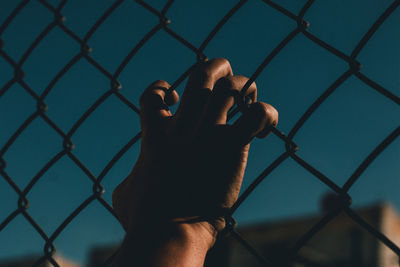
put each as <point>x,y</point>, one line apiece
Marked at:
<point>161,245</point>
<point>202,234</point>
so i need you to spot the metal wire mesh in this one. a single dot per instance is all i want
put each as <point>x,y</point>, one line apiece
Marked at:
<point>354,69</point>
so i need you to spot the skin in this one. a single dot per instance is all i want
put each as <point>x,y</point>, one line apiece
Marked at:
<point>190,168</point>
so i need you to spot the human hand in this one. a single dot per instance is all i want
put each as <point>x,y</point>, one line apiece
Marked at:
<point>191,163</point>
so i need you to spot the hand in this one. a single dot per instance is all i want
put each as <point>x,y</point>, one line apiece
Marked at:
<point>191,163</point>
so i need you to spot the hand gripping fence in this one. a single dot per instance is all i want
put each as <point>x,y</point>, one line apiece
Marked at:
<point>344,199</point>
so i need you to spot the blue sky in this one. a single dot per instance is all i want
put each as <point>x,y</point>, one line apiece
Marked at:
<point>335,139</point>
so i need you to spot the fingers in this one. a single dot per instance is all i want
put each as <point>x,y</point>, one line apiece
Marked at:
<point>198,90</point>
<point>154,103</point>
<point>256,121</point>
<point>226,90</point>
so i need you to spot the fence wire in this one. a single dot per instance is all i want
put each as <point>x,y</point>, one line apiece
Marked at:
<point>354,69</point>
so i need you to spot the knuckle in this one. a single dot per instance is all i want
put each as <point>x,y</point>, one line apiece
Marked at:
<point>221,60</point>
<point>215,68</point>
<point>223,63</point>
<point>265,111</point>
<point>272,110</point>
<point>159,83</point>
<point>220,67</point>
<point>272,114</point>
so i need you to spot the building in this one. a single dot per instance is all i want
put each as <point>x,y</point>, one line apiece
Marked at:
<point>342,242</point>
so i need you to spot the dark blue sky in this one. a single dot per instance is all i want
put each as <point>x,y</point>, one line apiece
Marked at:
<point>335,139</point>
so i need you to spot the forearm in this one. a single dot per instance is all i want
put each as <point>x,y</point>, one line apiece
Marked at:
<point>175,245</point>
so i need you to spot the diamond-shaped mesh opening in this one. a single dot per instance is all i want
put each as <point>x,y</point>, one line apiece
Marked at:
<point>68,100</point>
<point>18,36</point>
<point>350,120</point>
<point>51,60</point>
<point>341,23</point>
<point>57,185</point>
<point>111,134</point>
<point>126,23</point>
<point>308,70</point>
<point>41,149</point>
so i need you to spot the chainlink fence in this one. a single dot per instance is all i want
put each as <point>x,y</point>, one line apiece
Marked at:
<point>354,69</point>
